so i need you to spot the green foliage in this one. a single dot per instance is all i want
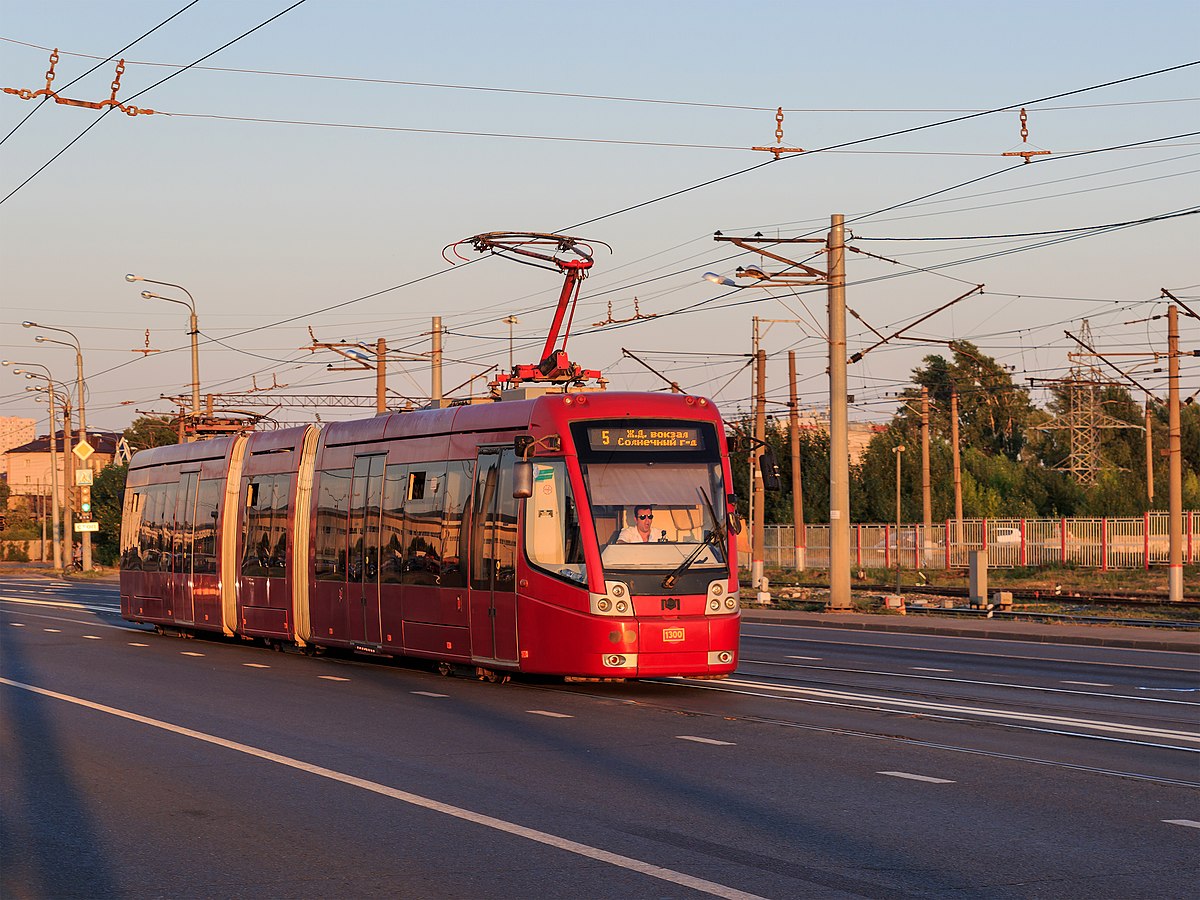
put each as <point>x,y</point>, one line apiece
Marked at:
<point>108,494</point>
<point>151,431</point>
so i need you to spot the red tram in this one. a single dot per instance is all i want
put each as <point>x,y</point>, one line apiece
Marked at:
<point>502,536</point>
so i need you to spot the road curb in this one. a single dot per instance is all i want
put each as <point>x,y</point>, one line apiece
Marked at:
<point>1131,638</point>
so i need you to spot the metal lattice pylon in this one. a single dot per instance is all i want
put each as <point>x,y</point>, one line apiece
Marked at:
<point>1084,417</point>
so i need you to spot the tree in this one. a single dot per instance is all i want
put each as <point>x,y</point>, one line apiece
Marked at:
<point>151,431</point>
<point>108,495</point>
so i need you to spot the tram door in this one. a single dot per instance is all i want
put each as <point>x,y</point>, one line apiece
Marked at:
<point>182,546</point>
<point>493,598</point>
<point>362,569</point>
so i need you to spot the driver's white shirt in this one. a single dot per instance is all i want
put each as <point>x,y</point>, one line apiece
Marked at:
<point>630,535</point>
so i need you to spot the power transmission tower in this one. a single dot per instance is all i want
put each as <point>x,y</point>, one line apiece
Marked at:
<point>1085,417</point>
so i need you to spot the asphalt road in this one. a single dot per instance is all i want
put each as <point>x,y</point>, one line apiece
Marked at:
<point>833,764</point>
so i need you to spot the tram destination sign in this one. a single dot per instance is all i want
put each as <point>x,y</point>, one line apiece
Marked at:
<point>645,437</point>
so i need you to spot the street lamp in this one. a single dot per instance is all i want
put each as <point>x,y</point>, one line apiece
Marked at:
<point>87,535</point>
<point>510,321</point>
<point>899,451</point>
<point>193,329</point>
<point>57,534</point>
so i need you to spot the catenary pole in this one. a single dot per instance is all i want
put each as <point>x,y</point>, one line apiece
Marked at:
<point>839,443</point>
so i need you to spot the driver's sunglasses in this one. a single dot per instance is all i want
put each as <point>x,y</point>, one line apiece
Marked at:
<point>651,516</point>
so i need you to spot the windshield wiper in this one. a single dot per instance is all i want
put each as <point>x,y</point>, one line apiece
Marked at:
<point>669,582</point>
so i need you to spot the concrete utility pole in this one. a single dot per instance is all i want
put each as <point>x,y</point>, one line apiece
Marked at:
<point>801,538</point>
<point>68,488</point>
<point>926,485</point>
<point>1174,461</point>
<point>839,438</point>
<point>1149,454</point>
<point>958,510</point>
<point>435,374</point>
<point>898,450</point>
<point>758,550</point>
<point>380,376</point>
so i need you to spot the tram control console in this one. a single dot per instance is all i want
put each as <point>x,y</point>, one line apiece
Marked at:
<point>562,530</point>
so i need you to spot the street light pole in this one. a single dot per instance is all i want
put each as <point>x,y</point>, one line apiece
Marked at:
<point>899,451</point>
<point>839,428</point>
<point>510,321</point>
<point>193,330</point>
<point>87,535</point>
<point>54,519</point>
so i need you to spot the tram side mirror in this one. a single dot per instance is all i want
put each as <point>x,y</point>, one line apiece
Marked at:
<point>770,470</point>
<point>522,479</point>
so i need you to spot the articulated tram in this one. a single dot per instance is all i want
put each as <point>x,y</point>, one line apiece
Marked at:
<point>501,536</point>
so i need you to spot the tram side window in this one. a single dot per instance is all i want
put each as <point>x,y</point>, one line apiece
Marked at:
<point>423,524</point>
<point>131,527</point>
<point>151,531</point>
<point>391,536</point>
<point>457,493</point>
<point>166,531</point>
<point>264,548</point>
<point>333,506</point>
<point>204,560</point>
<point>552,536</point>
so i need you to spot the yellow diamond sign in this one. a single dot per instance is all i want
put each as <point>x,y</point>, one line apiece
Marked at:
<point>83,450</point>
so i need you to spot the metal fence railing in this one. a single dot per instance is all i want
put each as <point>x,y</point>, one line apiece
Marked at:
<point>1134,542</point>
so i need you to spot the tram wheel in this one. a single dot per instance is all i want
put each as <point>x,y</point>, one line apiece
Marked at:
<point>445,669</point>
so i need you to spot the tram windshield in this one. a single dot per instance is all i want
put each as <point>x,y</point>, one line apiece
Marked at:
<point>654,490</point>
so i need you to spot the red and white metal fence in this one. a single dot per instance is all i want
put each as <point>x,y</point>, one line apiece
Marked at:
<point>1105,543</point>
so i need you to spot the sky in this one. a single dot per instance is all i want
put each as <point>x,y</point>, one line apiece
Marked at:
<point>310,174</point>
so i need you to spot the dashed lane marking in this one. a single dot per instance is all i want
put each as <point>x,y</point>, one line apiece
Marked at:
<point>53,630</point>
<point>928,669</point>
<point>1186,823</point>
<point>256,665</point>
<point>189,653</point>
<point>1087,683</point>
<point>17,624</point>
<point>332,678</point>
<point>809,658</point>
<point>912,777</point>
<point>136,644</point>
<point>704,740</point>
<point>92,637</point>
<point>551,840</point>
<point>428,694</point>
<point>548,713</point>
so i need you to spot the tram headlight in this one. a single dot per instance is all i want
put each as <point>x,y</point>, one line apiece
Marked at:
<point>730,603</point>
<point>714,605</point>
<point>604,605</point>
<point>718,589</point>
<point>622,606</point>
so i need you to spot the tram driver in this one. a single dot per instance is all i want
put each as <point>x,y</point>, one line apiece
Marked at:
<point>639,532</point>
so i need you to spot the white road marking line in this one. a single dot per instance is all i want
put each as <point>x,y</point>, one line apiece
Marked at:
<point>17,624</point>
<point>1187,823</point>
<point>809,658</point>
<point>332,678</point>
<point>136,644</point>
<point>92,637</point>
<point>912,777</point>
<point>827,696</point>
<point>53,630</point>
<point>927,669</point>
<point>546,712</point>
<point>256,665</point>
<point>702,740</point>
<point>189,653</point>
<point>541,837</point>
<point>428,694</point>
<point>1086,683</point>
<point>60,604</point>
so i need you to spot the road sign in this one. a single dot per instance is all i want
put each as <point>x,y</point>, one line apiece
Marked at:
<point>83,477</point>
<point>87,526</point>
<point>83,450</point>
